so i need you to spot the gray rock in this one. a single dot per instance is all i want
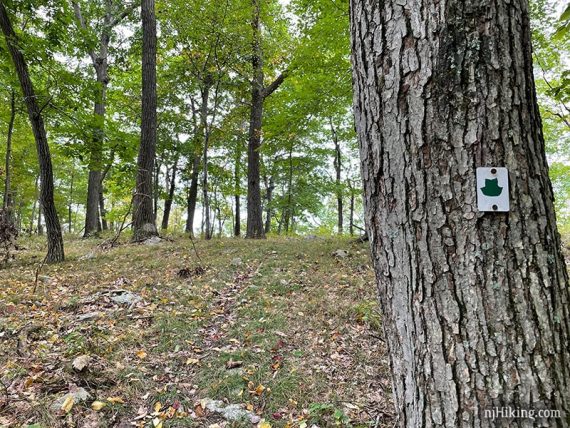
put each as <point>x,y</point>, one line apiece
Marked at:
<point>89,316</point>
<point>79,395</point>
<point>230,412</point>
<point>126,298</point>
<point>153,241</point>
<point>237,261</point>
<point>340,254</point>
<point>90,255</point>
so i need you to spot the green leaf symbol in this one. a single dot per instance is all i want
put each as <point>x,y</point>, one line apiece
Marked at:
<point>492,187</point>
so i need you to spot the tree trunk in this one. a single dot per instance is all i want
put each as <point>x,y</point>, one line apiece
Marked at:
<point>475,305</point>
<point>208,81</point>
<point>338,170</point>
<point>270,186</point>
<point>237,219</point>
<point>54,237</point>
<point>351,216</point>
<point>155,190</point>
<point>40,227</point>
<point>193,195</point>
<point>143,215</point>
<point>7,204</point>
<point>255,228</point>
<point>169,197</point>
<point>254,213</point>
<point>70,202</point>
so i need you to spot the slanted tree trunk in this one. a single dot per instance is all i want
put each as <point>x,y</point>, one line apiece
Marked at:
<point>255,228</point>
<point>143,215</point>
<point>475,305</point>
<point>7,203</point>
<point>337,163</point>
<point>170,196</point>
<point>54,237</point>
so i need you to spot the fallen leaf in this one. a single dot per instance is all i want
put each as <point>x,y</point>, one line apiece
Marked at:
<point>67,404</point>
<point>157,423</point>
<point>192,361</point>
<point>116,400</point>
<point>98,405</point>
<point>231,364</point>
<point>141,354</point>
<point>264,424</point>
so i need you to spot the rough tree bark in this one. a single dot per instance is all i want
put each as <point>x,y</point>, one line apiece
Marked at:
<point>7,203</point>
<point>259,93</point>
<point>54,237</point>
<point>143,215</point>
<point>475,305</point>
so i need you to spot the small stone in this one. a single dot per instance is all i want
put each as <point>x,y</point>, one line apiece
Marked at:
<point>79,395</point>
<point>81,362</point>
<point>153,241</point>
<point>89,316</point>
<point>340,254</point>
<point>90,255</point>
<point>126,298</point>
<point>237,261</point>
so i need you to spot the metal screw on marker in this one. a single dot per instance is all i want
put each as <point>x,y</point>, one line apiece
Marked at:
<point>495,207</point>
<point>493,171</point>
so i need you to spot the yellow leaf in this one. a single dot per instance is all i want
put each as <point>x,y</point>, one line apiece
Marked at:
<point>192,361</point>
<point>259,390</point>
<point>157,423</point>
<point>141,355</point>
<point>157,406</point>
<point>264,424</point>
<point>116,400</point>
<point>97,405</point>
<point>67,404</point>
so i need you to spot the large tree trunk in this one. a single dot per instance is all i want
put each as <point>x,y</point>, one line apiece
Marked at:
<point>254,210</point>
<point>169,197</point>
<point>54,237</point>
<point>143,215</point>
<point>255,228</point>
<point>475,305</point>
<point>7,203</point>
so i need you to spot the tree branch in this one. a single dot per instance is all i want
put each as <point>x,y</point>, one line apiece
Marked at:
<point>126,12</point>
<point>268,90</point>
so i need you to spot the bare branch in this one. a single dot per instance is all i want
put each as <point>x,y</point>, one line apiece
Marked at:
<point>268,90</point>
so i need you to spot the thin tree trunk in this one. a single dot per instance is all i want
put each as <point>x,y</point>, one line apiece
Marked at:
<point>143,215</point>
<point>338,170</point>
<point>156,190</point>
<point>193,195</point>
<point>54,237</point>
<point>351,218</point>
<point>8,171</point>
<point>475,305</point>
<point>270,186</point>
<point>40,227</point>
<point>70,202</point>
<point>208,81</point>
<point>237,219</point>
<point>169,197</point>
<point>34,205</point>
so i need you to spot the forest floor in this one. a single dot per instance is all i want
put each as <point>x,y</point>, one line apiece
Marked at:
<point>281,331</point>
